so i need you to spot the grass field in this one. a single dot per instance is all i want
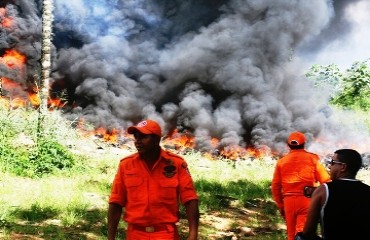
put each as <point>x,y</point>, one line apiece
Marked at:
<point>235,196</point>
<point>235,199</point>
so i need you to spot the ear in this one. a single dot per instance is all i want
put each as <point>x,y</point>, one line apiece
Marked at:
<point>343,168</point>
<point>156,138</point>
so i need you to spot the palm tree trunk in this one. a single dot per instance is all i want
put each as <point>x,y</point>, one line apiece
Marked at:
<point>47,20</point>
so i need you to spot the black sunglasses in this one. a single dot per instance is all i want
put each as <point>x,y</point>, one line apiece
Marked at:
<point>332,162</point>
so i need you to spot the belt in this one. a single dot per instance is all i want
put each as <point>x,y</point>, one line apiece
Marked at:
<point>150,229</point>
<point>293,194</point>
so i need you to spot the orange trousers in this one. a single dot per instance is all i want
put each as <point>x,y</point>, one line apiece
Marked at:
<point>170,234</point>
<point>296,210</point>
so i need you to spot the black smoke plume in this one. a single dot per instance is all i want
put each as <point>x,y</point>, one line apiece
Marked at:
<point>217,68</point>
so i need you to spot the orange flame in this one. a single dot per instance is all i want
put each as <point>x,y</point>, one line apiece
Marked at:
<point>34,98</point>
<point>236,152</point>
<point>56,103</point>
<point>5,22</point>
<point>15,101</point>
<point>13,59</point>
<point>181,141</point>
<point>184,141</point>
<point>108,135</point>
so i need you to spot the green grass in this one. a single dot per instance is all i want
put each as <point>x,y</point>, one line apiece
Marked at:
<point>242,189</point>
<point>71,202</point>
<point>73,205</point>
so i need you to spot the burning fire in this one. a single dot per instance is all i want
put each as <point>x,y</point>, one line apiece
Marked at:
<point>17,100</point>
<point>109,136</point>
<point>180,142</point>
<point>5,21</point>
<point>18,97</point>
<point>13,59</point>
<point>183,142</point>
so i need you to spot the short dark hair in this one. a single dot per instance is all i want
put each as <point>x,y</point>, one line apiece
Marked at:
<point>291,146</point>
<point>350,157</point>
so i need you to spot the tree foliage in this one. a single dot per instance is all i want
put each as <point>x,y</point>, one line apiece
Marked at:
<point>350,89</point>
<point>327,77</point>
<point>355,88</point>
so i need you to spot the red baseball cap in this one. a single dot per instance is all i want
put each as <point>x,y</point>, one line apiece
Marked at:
<point>296,138</point>
<point>146,127</point>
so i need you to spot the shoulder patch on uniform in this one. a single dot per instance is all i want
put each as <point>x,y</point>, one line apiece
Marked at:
<point>184,165</point>
<point>169,169</point>
<point>167,161</point>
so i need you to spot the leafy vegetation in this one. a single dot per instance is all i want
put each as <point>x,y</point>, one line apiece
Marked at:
<point>349,89</point>
<point>355,92</point>
<point>23,154</point>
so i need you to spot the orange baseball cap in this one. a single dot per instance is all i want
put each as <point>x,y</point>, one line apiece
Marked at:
<point>146,127</point>
<point>296,138</point>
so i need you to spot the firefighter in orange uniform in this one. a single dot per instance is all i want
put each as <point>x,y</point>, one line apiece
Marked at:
<point>296,175</point>
<point>148,185</point>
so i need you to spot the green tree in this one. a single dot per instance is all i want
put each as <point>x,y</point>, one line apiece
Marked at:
<point>328,77</point>
<point>350,89</point>
<point>355,88</point>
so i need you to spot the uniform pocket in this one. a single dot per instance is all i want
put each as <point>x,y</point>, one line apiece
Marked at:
<point>135,189</point>
<point>168,190</point>
<point>133,181</point>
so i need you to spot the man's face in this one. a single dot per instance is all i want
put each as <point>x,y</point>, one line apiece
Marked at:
<point>335,167</point>
<point>145,143</point>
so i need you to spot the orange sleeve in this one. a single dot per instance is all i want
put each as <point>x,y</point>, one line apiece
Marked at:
<point>276,188</point>
<point>186,185</point>
<point>118,192</point>
<point>322,174</point>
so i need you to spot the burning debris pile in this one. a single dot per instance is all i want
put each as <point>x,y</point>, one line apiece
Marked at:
<point>227,75</point>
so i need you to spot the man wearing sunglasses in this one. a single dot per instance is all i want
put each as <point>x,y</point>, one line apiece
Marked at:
<point>342,206</point>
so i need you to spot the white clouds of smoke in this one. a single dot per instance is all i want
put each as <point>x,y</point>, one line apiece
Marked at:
<point>220,69</point>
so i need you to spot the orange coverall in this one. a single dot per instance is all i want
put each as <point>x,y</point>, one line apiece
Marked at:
<point>150,198</point>
<point>293,172</point>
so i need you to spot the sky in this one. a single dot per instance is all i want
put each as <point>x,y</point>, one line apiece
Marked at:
<point>353,45</point>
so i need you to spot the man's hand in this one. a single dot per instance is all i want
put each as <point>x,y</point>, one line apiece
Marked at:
<point>192,213</point>
<point>114,215</point>
<point>308,190</point>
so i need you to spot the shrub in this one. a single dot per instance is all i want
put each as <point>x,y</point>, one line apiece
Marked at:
<point>49,156</point>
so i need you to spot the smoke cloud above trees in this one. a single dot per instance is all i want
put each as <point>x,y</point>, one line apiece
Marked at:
<point>224,68</point>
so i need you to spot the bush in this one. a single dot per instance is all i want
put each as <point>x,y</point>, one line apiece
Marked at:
<point>24,152</point>
<point>50,156</point>
<point>47,157</point>
<point>15,160</point>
